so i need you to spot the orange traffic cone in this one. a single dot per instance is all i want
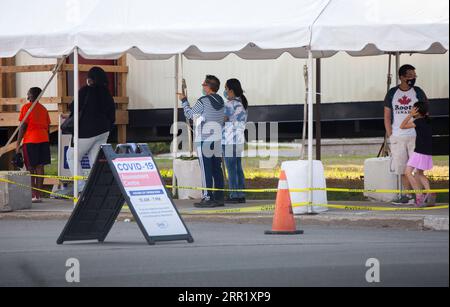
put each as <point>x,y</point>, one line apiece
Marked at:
<point>283,219</point>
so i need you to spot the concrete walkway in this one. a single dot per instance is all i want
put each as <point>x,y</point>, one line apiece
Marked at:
<point>438,219</point>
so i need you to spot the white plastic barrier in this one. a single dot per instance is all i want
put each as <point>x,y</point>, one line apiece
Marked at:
<point>187,173</point>
<point>297,176</point>
<point>379,175</point>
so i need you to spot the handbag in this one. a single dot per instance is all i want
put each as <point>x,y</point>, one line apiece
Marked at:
<point>17,160</point>
<point>68,126</point>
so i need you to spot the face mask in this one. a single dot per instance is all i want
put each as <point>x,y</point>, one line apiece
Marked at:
<point>225,94</point>
<point>411,82</point>
<point>204,93</point>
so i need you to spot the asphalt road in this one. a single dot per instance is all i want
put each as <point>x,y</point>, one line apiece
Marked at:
<point>226,255</point>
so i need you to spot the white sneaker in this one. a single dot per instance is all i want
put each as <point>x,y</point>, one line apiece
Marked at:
<point>36,200</point>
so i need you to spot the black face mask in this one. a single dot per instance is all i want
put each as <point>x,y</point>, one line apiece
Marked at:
<point>411,82</point>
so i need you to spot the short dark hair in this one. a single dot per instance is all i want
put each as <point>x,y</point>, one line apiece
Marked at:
<point>404,69</point>
<point>213,82</point>
<point>34,93</point>
<point>422,108</point>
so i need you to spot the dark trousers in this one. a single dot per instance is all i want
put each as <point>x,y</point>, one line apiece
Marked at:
<point>233,161</point>
<point>210,159</point>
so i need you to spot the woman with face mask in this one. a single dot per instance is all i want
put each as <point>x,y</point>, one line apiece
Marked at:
<point>97,115</point>
<point>233,137</point>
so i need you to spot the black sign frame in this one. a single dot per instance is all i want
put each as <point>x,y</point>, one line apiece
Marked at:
<point>103,197</point>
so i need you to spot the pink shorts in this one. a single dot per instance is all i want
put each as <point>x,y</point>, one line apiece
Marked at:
<point>421,161</point>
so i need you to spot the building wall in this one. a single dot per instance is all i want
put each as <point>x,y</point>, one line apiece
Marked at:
<point>344,78</point>
<point>151,84</point>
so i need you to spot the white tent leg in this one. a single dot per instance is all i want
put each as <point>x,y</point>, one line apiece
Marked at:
<point>310,130</point>
<point>76,123</point>
<point>397,67</point>
<point>175,121</point>
<point>397,82</point>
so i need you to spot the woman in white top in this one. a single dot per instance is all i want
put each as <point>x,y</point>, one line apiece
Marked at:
<point>233,138</point>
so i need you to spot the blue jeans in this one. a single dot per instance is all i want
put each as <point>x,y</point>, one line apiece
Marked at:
<point>210,158</point>
<point>233,162</point>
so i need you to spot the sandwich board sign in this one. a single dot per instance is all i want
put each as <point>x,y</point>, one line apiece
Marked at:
<point>127,175</point>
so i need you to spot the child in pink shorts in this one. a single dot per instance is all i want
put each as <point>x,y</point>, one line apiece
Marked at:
<point>422,159</point>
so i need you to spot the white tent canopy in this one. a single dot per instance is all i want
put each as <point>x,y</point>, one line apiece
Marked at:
<point>198,29</point>
<point>252,29</point>
<point>363,27</point>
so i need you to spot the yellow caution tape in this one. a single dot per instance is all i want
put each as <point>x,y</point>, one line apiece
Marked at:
<point>266,208</point>
<point>64,178</point>
<point>312,189</point>
<point>377,190</point>
<point>36,189</point>
<point>259,208</point>
<point>227,190</point>
<point>266,190</point>
<point>368,208</point>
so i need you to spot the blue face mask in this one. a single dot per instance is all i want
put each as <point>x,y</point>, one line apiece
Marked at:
<point>204,92</point>
<point>225,94</point>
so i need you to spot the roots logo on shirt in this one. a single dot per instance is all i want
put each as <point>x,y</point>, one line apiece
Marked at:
<point>405,100</point>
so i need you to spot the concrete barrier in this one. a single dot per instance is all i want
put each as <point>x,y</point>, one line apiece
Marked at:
<point>14,197</point>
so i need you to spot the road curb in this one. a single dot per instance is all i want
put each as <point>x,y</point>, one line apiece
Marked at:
<point>425,222</point>
<point>436,223</point>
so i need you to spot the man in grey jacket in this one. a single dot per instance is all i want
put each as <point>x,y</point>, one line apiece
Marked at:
<point>208,117</point>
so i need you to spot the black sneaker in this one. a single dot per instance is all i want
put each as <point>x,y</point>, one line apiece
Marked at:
<point>430,200</point>
<point>201,203</point>
<point>208,204</point>
<point>242,200</point>
<point>219,203</point>
<point>404,200</point>
<point>232,200</point>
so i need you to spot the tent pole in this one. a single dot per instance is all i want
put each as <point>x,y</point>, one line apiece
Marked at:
<point>317,111</point>
<point>183,87</point>
<point>310,130</point>
<point>397,67</point>
<point>305,113</point>
<point>175,122</point>
<point>76,124</point>
<point>397,82</point>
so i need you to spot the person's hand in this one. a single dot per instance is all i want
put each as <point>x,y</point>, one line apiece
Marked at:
<point>64,116</point>
<point>414,112</point>
<point>181,96</point>
<point>17,149</point>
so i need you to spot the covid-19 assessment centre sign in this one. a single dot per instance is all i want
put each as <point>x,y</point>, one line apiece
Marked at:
<point>118,177</point>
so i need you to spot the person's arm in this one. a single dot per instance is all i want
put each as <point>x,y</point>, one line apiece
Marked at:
<point>421,96</point>
<point>407,122</point>
<point>49,123</point>
<point>23,127</point>
<point>388,111</point>
<point>388,121</point>
<point>111,110</point>
<point>22,131</point>
<point>188,111</point>
<point>228,110</point>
